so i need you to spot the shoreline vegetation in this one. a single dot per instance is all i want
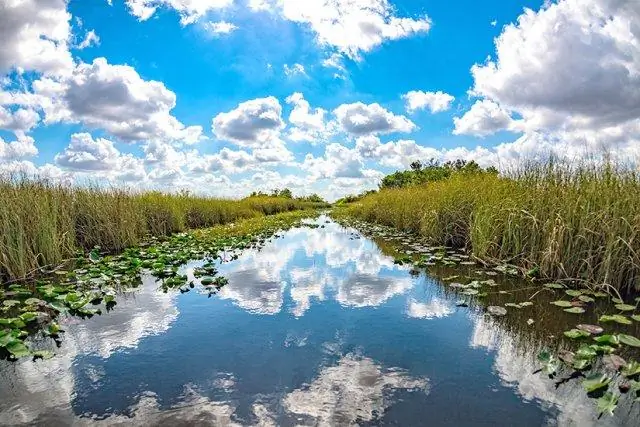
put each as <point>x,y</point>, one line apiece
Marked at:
<point>91,283</point>
<point>44,223</point>
<point>579,225</point>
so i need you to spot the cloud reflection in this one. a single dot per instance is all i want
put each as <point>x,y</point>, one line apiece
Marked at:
<point>355,390</point>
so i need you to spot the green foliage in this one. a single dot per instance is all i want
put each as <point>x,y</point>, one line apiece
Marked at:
<point>565,222</point>
<point>43,223</point>
<point>431,172</point>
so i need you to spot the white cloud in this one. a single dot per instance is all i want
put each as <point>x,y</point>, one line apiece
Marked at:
<point>338,162</point>
<point>434,101</point>
<point>35,36</point>
<point>361,119</point>
<point>18,149</point>
<point>494,23</point>
<point>351,27</point>
<point>19,121</point>
<point>219,28</point>
<point>294,70</point>
<point>190,10</point>
<point>571,71</point>
<point>484,118</point>
<point>252,123</point>
<point>110,97</point>
<point>85,154</point>
<point>399,154</point>
<point>90,39</point>
<point>309,123</point>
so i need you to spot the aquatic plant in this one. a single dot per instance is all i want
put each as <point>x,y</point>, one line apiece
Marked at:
<point>576,225</point>
<point>43,223</point>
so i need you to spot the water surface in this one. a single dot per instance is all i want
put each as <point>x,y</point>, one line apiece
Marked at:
<point>319,327</point>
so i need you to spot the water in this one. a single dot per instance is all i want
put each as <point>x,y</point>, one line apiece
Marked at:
<point>317,328</point>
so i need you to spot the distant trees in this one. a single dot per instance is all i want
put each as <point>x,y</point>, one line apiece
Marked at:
<point>431,171</point>
<point>286,193</point>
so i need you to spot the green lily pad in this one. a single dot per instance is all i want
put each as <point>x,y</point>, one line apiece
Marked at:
<point>207,281</point>
<point>607,403</point>
<point>18,349</point>
<point>549,363</point>
<point>625,307</point>
<point>629,340</point>
<point>632,369</point>
<point>574,310</point>
<point>29,316</point>
<point>617,300</point>
<point>586,298</point>
<point>595,382</point>
<point>586,352</point>
<point>618,318</point>
<point>608,339</point>
<point>573,292</point>
<point>576,334</point>
<point>562,303</point>
<point>553,286</point>
<point>581,364</point>
<point>636,317</point>
<point>496,310</point>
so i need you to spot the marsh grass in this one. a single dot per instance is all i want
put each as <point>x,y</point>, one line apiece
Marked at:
<point>43,223</point>
<point>580,223</point>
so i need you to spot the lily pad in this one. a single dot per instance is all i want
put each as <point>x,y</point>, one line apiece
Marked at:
<point>42,354</point>
<point>562,303</point>
<point>573,292</point>
<point>18,349</point>
<point>592,329</point>
<point>607,403</point>
<point>636,317</point>
<point>576,334</point>
<point>607,339</point>
<point>632,369</point>
<point>586,298</point>
<point>553,286</point>
<point>618,318</point>
<point>574,310</point>
<point>614,362</point>
<point>629,340</point>
<point>496,310</point>
<point>625,307</point>
<point>595,382</point>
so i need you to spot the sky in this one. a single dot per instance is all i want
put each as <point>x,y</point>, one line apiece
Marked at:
<point>226,97</point>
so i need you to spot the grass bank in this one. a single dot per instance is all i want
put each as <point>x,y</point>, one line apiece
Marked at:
<point>555,222</point>
<point>43,223</point>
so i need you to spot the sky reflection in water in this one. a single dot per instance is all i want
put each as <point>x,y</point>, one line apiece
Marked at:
<point>317,328</point>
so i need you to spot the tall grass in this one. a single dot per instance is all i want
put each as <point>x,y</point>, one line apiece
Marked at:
<point>44,223</point>
<point>567,223</point>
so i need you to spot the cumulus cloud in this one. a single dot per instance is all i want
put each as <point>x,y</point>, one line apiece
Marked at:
<point>338,162</point>
<point>20,148</point>
<point>571,87</point>
<point>361,119</point>
<point>19,121</point>
<point>252,123</point>
<point>484,118</point>
<point>433,101</point>
<point>351,27</point>
<point>309,123</point>
<point>189,10</point>
<point>35,36</point>
<point>219,28</point>
<point>85,154</point>
<point>399,154</point>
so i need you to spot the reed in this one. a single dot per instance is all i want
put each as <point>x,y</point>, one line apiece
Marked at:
<point>44,222</point>
<point>579,224</point>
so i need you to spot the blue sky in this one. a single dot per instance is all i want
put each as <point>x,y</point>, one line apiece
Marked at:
<point>224,97</point>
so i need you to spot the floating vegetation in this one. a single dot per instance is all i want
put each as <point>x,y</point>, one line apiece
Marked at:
<point>89,285</point>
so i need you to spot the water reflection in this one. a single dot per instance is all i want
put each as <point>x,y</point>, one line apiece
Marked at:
<point>356,389</point>
<point>48,386</point>
<point>317,328</point>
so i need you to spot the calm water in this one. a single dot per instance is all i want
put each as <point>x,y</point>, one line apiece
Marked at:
<point>318,328</point>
